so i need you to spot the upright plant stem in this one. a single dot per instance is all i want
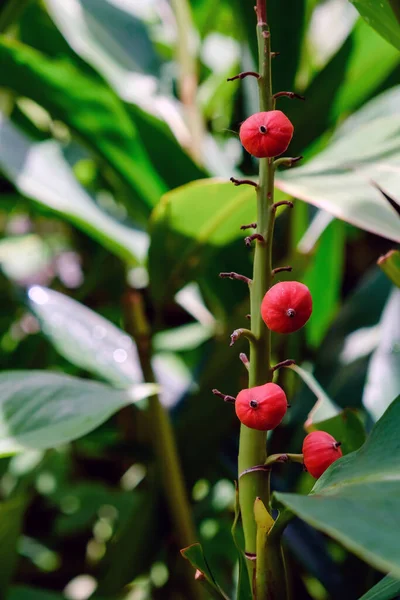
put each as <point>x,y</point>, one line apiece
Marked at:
<point>164,443</point>
<point>252,449</point>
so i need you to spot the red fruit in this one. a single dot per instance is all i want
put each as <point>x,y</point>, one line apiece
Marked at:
<point>286,307</point>
<point>320,450</point>
<point>266,134</point>
<point>262,407</point>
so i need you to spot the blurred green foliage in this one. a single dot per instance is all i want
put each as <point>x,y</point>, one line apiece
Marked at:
<point>115,156</point>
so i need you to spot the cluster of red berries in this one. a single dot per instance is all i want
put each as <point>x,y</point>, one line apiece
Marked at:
<point>286,307</point>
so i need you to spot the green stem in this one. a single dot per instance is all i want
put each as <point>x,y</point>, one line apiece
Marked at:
<point>252,448</point>
<point>163,439</point>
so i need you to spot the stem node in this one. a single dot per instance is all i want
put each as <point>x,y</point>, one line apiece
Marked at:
<point>243,75</point>
<point>237,182</point>
<point>238,333</point>
<point>251,238</point>
<point>225,397</point>
<point>281,269</point>
<point>233,275</point>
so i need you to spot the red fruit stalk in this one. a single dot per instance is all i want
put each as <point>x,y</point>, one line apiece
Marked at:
<point>266,134</point>
<point>262,407</point>
<point>286,307</point>
<point>320,450</point>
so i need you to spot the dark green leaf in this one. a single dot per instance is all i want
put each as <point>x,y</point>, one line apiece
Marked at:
<point>42,410</point>
<point>357,500</point>
<point>90,109</point>
<point>22,592</point>
<point>381,17</point>
<point>390,265</point>
<point>387,589</point>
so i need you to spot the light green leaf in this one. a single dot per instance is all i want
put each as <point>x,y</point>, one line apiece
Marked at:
<point>190,224</point>
<point>40,409</point>
<point>357,500</point>
<point>91,342</point>
<point>339,178</point>
<point>40,171</point>
<point>380,16</point>
<point>85,338</point>
<point>383,376</point>
<point>387,589</point>
<point>194,554</point>
<point>90,109</point>
<point>390,264</point>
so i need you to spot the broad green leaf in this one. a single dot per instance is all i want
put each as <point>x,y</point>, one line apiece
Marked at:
<point>338,179</point>
<point>327,266</point>
<point>346,427</point>
<point>381,17</point>
<point>85,338</point>
<point>90,109</point>
<point>387,589</point>
<point>390,265</point>
<point>40,409</point>
<point>383,376</point>
<point>357,500</point>
<point>11,519</point>
<point>91,342</point>
<point>189,224</point>
<point>40,171</point>
<point>194,554</point>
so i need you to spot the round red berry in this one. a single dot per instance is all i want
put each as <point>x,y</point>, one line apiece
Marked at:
<point>262,407</point>
<point>320,450</point>
<point>266,134</point>
<point>286,307</point>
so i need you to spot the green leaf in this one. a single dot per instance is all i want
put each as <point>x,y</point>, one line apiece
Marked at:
<point>11,517</point>
<point>90,109</point>
<point>346,427</point>
<point>42,410</point>
<point>383,376</point>
<point>381,17</point>
<point>111,39</point>
<point>194,554</point>
<point>190,225</point>
<point>387,589</point>
<point>85,338</point>
<point>327,266</point>
<point>338,179</point>
<point>357,500</point>
<point>40,171</point>
<point>390,264</point>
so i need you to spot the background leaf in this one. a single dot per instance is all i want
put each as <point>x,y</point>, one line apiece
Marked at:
<point>380,16</point>
<point>40,409</point>
<point>90,109</point>
<point>387,589</point>
<point>40,171</point>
